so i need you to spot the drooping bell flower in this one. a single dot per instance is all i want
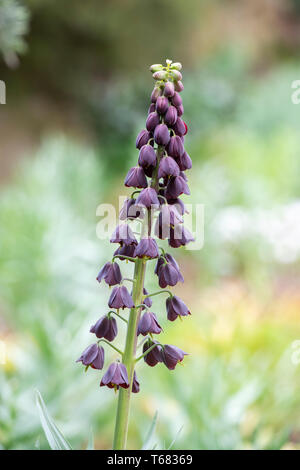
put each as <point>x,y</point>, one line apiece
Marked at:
<point>136,178</point>
<point>169,89</point>
<point>176,308</point>
<point>162,104</point>
<point>169,259</point>
<point>168,167</point>
<point>168,216</point>
<point>110,273</point>
<point>115,377</point>
<point>171,116</point>
<point>123,234</point>
<point>147,156</point>
<point>106,327</point>
<point>155,94</point>
<point>125,250</point>
<point>168,275</point>
<point>178,86</point>
<point>184,162</point>
<point>175,147</point>
<point>171,355</point>
<point>143,138</point>
<point>147,248</point>
<point>147,301</point>
<point>180,236</point>
<point>135,384</point>
<point>120,298</point>
<point>179,204</point>
<point>180,110</point>
<point>130,210</point>
<point>92,356</point>
<point>180,127</point>
<point>162,135</point>
<point>155,355</point>
<point>152,121</point>
<point>176,186</point>
<point>148,324</point>
<point>176,100</point>
<point>151,108</point>
<point>147,198</point>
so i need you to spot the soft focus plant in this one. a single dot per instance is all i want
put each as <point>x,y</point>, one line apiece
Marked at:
<point>159,180</point>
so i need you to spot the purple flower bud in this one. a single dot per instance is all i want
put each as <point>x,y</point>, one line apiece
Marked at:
<point>178,86</point>
<point>171,116</point>
<point>135,384</point>
<point>147,301</point>
<point>184,162</point>
<point>151,108</point>
<point>120,298</point>
<point>110,273</point>
<point>180,110</point>
<point>148,324</point>
<point>171,355</point>
<point>154,356</point>
<point>155,94</point>
<point>175,147</point>
<point>176,186</point>
<point>180,127</point>
<point>152,121</point>
<point>169,89</point>
<point>180,236</point>
<point>168,167</point>
<point>147,248</point>
<point>147,156</point>
<point>162,104</point>
<point>123,234</point>
<point>143,138</point>
<point>147,198</point>
<point>129,209</point>
<point>168,216</point>
<point>168,275</point>
<point>176,307</point>
<point>176,100</point>
<point>116,376</point>
<point>162,134</point>
<point>136,178</point>
<point>125,250</point>
<point>92,356</point>
<point>106,327</point>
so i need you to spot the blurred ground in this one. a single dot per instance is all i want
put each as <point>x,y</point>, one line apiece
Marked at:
<point>67,133</point>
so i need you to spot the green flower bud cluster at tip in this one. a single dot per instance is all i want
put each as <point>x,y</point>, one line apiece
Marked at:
<point>166,73</point>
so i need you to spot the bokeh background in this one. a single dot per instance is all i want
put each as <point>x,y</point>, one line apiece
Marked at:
<point>78,89</point>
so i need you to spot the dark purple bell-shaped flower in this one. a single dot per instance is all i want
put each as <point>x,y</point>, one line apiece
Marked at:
<point>178,86</point>
<point>171,116</point>
<point>169,89</point>
<point>184,162</point>
<point>147,198</point>
<point>175,147</point>
<point>168,275</point>
<point>155,94</point>
<point>180,127</point>
<point>116,376</point>
<point>148,324</point>
<point>151,108</point>
<point>168,216</point>
<point>143,138</point>
<point>120,298</point>
<point>176,186</point>
<point>170,259</point>
<point>110,273</point>
<point>179,204</point>
<point>147,248</point>
<point>176,307</point>
<point>180,236</point>
<point>136,178</point>
<point>171,355</point>
<point>123,234</point>
<point>92,356</point>
<point>147,301</point>
<point>147,156</point>
<point>162,134</point>
<point>125,250</point>
<point>130,210</point>
<point>180,110</point>
<point>106,327</point>
<point>176,100</point>
<point>152,121</point>
<point>168,167</point>
<point>162,104</point>
<point>154,356</point>
<point>135,384</point>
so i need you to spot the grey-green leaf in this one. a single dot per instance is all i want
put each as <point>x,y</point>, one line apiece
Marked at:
<point>150,433</point>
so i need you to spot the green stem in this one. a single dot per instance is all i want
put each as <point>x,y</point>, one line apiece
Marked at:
<point>159,292</point>
<point>121,426</point>
<point>148,350</point>
<point>111,345</point>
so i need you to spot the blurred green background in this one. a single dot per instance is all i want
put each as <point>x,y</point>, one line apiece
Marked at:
<point>78,89</point>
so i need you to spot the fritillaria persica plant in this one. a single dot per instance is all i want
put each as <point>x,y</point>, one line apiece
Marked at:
<point>159,179</point>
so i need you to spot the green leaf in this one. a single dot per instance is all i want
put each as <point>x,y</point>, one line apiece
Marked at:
<point>54,437</point>
<point>150,433</point>
<point>175,438</point>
